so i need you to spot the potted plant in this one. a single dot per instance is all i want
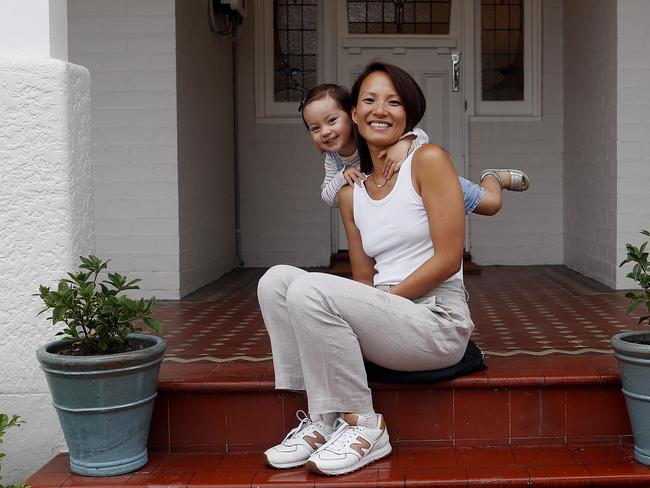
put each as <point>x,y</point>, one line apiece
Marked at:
<point>102,373</point>
<point>7,423</point>
<point>632,350</point>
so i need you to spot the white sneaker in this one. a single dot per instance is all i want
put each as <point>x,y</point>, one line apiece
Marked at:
<point>351,447</point>
<point>299,444</point>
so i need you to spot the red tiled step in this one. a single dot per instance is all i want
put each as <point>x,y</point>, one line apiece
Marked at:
<point>565,465</point>
<point>234,407</point>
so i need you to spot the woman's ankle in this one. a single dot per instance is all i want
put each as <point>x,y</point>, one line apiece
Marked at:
<point>363,419</point>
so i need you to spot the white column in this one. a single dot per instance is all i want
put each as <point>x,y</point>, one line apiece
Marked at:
<point>34,28</point>
<point>47,210</point>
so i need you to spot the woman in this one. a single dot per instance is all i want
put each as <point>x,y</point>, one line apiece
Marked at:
<point>406,307</point>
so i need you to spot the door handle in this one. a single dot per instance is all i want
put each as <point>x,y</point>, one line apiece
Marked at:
<point>455,70</point>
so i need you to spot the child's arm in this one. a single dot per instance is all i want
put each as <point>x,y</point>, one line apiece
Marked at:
<point>337,179</point>
<point>398,152</point>
<point>421,138</point>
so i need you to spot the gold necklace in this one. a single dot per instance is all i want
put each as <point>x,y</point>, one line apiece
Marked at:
<point>377,184</point>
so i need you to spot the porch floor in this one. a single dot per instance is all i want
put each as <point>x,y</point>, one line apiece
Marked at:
<point>533,315</point>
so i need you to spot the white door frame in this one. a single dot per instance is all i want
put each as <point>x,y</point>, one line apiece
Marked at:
<point>466,41</point>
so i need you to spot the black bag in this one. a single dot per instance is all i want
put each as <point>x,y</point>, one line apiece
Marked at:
<point>471,361</point>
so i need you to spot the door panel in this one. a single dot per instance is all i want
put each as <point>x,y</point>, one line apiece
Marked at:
<point>425,57</point>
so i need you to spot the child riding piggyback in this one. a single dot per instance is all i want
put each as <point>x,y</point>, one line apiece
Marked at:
<point>326,112</point>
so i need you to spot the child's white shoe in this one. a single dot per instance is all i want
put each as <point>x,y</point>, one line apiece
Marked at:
<point>519,180</point>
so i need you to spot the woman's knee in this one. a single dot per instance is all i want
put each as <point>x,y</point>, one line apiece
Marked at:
<point>309,291</point>
<point>275,279</point>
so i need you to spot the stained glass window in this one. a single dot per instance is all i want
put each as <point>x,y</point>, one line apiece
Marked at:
<point>502,50</point>
<point>398,16</point>
<point>295,48</point>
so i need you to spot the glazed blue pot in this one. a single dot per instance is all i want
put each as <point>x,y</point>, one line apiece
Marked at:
<point>104,404</point>
<point>632,349</point>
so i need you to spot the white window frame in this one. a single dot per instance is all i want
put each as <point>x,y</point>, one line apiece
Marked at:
<point>267,110</point>
<point>529,109</point>
<point>400,41</point>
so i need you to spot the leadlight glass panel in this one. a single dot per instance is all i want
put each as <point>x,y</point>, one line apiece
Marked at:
<point>295,48</point>
<point>399,16</point>
<point>502,50</point>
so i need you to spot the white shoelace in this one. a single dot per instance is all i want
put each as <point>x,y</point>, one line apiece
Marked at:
<point>304,422</point>
<point>342,436</point>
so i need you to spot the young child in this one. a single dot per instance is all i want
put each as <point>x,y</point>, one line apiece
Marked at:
<point>326,112</point>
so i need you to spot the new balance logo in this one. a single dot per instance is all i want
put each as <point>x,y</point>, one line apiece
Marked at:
<point>360,446</point>
<point>317,438</point>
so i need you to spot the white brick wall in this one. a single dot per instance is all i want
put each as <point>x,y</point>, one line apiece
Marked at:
<point>205,149</point>
<point>283,219</point>
<point>129,48</point>
<point>529,227</point>
<point>633,110</point>
<point>590,156</point>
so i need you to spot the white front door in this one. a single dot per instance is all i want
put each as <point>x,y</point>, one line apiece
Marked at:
<point>426,57</point>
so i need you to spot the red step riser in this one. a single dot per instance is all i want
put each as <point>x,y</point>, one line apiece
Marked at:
<point>254,420</point>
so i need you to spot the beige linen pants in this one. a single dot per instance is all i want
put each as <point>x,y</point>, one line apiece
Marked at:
<point>322,326</point>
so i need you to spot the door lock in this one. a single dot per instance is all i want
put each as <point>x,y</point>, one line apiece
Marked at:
<point>455,70</point>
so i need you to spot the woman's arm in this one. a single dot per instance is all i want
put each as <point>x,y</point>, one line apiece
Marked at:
<point>436,181</point>
<point>363,266</point>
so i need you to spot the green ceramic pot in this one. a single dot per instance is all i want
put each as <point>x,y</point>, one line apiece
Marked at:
<point>632,350</point>
<point>104,404</point>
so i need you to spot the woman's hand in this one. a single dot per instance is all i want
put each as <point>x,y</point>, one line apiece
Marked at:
<point>352,175</point>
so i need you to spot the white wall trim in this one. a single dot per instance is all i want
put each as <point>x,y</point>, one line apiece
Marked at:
<point>531,105</point>
<point>267,110</point>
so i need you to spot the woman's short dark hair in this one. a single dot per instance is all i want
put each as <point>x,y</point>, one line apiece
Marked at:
<point>336,92</point>
<point>409,91</point>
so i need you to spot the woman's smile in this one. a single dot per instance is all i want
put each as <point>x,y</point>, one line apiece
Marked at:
<point>378,125</point>
<point>379,113</point>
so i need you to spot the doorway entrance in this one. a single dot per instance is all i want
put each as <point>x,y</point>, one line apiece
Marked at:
<point>426,40</point>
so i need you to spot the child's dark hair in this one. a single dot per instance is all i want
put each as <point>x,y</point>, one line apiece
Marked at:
<point>336,92</point>
<point>413,101</point>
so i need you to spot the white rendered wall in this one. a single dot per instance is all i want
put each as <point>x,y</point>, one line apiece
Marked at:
<point>205,148</point>
<point>633,175</point>
<point>47,223</point>
<point>283,218</point>
<point>590,147</point>
<point>129,48</point>
<point>529,227</point>
<point>34,28</point>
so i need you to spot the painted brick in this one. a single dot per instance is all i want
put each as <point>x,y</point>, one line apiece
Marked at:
<point>133,111</point>
<point>527,219</point>
<point>632,211</point>
<point>84,8</point>
<point>206,149</point>
<point>590,132</point>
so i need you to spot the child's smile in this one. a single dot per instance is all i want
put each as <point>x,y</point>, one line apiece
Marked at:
<point>330,127</point>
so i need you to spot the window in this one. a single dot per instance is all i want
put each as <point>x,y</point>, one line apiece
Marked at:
<point>508,58</point>
<point>289,55</point>
<point>398,17</point>
<point>295,49</point>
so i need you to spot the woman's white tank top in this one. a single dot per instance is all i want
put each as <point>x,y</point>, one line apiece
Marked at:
<point>395,230</point>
